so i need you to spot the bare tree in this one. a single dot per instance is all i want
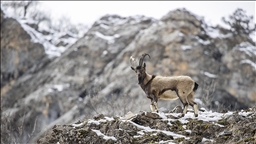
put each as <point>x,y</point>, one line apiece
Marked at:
<point>20,8</point>
<point>240,23</point>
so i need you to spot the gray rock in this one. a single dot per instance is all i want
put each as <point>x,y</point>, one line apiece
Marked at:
<point>18,53</point>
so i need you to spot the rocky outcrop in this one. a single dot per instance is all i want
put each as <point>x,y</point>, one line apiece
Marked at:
<point>147,127</point>
<point>18,53</point>
<point>93,76</point>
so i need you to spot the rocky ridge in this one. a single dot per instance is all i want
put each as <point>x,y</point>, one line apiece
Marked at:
<point>146,127</point>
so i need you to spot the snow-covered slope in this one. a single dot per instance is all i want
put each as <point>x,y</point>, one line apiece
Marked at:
<point>54,42</point>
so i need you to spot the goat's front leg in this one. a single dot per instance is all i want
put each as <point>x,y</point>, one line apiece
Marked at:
<point>152,107</point>
<point>185,109</point>
<point>154,104</point>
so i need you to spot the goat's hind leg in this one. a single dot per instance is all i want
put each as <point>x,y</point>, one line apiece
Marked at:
<point>192,103</point>
<point>183,101</point>
<point>185,109</point>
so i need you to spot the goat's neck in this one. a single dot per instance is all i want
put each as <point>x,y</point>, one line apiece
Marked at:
<point>147,78</point>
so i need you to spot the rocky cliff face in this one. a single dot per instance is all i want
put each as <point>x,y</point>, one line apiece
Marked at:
<point>93,76</point>
<point>18,53</point>
<point>146,127</point>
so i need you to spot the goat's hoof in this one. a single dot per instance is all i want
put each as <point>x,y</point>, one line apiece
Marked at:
<point>196,115</point>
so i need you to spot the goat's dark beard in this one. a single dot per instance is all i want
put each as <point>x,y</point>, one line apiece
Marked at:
<point>140,79</point>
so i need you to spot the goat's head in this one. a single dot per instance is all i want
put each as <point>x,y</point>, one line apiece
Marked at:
<point>140,70</point>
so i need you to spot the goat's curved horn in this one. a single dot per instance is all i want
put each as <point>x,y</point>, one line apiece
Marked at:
<point>132,61</point>
<point>142,58</point>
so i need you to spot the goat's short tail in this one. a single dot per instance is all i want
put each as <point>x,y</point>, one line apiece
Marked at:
<point>195,87</point>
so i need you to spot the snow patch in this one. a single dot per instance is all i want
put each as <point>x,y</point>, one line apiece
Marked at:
<point>104,26</point>
<point>37,37</point>
<point>148,129</point>
<point>215,33</point>
<point>164,142</point>
<point>99,133</point>
<point>97,122</point>
<point>186,47</point>
<point>249,62</point>
<point>109,119</point>
<point>105,52</point>
<point>219,125</point>
<point>210,75</point>
<point>245,114</point>
<point>202,41</point>
<point>93,122</point>
<point>110,39</point>
<point>162,115</point>
<point>207,116</point>
<point>59,87</point>
<point>246,47</point>
<point>206,140</point>
<point>51,38</point>
<point>78,125</point>
<point>188,131</point>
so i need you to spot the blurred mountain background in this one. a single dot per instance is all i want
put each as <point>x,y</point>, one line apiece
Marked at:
<point>55,72</point>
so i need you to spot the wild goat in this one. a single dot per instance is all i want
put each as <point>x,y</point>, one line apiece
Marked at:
<point>165,88</point>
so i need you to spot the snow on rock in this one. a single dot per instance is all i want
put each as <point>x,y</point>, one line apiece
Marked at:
<point>110,39</point>
<point>162,115</point>
<point>78,125</point>
<point>148,129</point>
<point>55,42</point>
<point>60,87</point>
<point>188,131</point>
<point>210,75</point>
<point>104,26</point>
<point>99,133</point>
<point>202,41</point>
<point>186,47</point>
<point>245,114</point>
<point>253,64</point>
<point>206,140</point>
<point>248,48</point>
<point>207,116</point>
<point>51,41</point>
<point>97,122</point>
<point>151,127</point>
<point>215,33</point>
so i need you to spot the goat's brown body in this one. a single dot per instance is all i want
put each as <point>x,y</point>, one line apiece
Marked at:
<point>169,88</point>
<point>166,88</point>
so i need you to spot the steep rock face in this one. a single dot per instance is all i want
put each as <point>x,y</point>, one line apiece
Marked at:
<point>18,53</point>
<point>94,76</point>
<point>179,44</point>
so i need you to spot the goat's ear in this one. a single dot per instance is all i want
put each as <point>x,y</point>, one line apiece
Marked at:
<point>132,68</point>
<point>144,65</point>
